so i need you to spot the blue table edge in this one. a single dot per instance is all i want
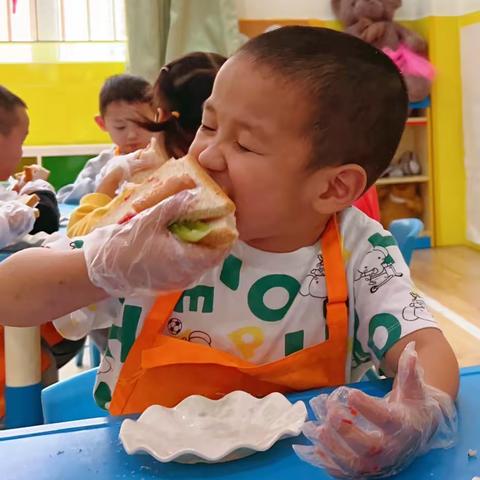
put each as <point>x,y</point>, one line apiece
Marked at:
<point>101,422</point>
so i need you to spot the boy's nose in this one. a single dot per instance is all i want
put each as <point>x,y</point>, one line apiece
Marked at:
<point>132,134</point>
<point>212,159</point>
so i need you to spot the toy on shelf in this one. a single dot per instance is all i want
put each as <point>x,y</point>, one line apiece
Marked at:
<point>399,201</point>
<point>372,21</point>
<point>404,166</point>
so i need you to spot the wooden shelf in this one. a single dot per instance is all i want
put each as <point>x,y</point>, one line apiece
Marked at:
<point>417,121</point>
<point>408,179</point>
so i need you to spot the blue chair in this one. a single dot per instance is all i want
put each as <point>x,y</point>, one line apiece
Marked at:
<point>94,355</point>
<point>406,232</point>
<point>71,399</point>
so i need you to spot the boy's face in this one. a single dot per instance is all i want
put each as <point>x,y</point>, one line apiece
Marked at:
<point>253,143</point>
<point>11,144</point>
<point>119,122</point>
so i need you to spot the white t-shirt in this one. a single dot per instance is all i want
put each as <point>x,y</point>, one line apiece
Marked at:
<point>88,179</point>
<point>263,306</point>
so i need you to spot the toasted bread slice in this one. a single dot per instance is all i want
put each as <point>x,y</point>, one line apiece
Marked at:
<point>35,171</point>
<point>29,200</point>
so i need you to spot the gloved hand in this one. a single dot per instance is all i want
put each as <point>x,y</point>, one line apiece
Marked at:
<point>149,158</point>
<point>16,220</point>
<point>126,166</point>
<point>142,257</point>
<point>35,186</point>
<point>358,436</point>
<point>36,173</point>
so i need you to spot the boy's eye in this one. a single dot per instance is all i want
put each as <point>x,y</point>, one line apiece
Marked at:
<point>120,128</point>
<point>243,148</point>
<point>207,128</point>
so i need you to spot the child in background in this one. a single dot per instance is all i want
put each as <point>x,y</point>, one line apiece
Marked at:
<point>179,93</point>
<point>300,122</point>
<point>125,100</point>
<point>17,219</point>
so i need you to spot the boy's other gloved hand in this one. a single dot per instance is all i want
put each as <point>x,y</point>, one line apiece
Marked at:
<point>358,436</point>
<point>142,257</point>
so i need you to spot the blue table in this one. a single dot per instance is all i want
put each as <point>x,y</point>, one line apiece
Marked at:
<point>91,449</point>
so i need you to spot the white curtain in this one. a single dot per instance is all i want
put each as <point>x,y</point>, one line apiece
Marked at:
<point>159,31</point>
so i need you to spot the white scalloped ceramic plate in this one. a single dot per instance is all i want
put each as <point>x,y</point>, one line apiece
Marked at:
<point>203,430</point>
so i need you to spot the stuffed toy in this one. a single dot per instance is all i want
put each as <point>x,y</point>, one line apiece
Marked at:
<point>399,201</point>
<point>405,165</point>
<point>372,21</point>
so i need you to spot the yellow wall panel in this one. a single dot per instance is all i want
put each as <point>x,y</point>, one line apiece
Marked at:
<point>447,132</point>
<point>62,99</point>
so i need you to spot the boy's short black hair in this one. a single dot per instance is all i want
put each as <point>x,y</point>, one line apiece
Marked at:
<point>124,88</point>
<point>9,102</point>
<point>357,96</point>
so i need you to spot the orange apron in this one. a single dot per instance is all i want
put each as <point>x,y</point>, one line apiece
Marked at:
<point>164,370</point>
<point>49,334</point>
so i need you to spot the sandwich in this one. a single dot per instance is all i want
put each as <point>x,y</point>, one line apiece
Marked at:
<point>32,172</point>
<point>210,221</point>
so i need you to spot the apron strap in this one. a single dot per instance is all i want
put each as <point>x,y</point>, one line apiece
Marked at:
<point>335,277</point>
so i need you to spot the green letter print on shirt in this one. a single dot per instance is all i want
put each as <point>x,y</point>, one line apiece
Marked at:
<point>258,290</point>
<point>201,291</point>
<point>230,275</point>
<point>103,395</point>
<point>294,342</point>
<point>127,333</point>
<point>394,331</point>
<point>359,356</point>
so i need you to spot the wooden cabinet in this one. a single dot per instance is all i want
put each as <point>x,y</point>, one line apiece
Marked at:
<point>397,190</point>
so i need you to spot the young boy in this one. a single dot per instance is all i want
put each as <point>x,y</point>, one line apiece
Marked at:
<point>300,122</point>
<point>124,99</point>
<point>18,219</point>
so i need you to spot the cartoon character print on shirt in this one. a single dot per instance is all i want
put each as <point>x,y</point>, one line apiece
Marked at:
<point>175,328</point>
<point>314,284</point>
<point>76,244</point>
<point>416,310</point>
<point>378,266</point>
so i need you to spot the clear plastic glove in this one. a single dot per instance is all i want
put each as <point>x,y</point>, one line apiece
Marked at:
<point>16,220</point>
<point>142,257</point>
<point>35,186</point>
<point>126,166</point>
<point>358,436</point>
<point>35,173</point>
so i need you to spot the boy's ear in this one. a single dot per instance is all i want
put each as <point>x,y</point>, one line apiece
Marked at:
<point>161,115</point>
<point>100,122</point>
<point>337,187</point>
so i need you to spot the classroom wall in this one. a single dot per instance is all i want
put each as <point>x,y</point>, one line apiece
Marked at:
<point>439,21</point>
<point>320,9</point>
<point>470,65</point>
<point>62,99</point>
